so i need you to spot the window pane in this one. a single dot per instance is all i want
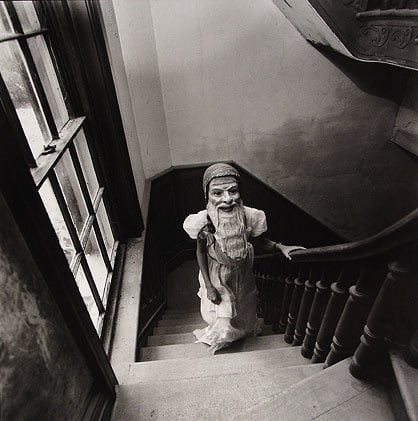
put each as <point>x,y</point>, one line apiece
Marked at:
<point>20,86</point>
<point>54,213</point>
<point>96,263</point>
<point>5,24</point>
<point>72,192</point>
<point>27,15</point>
<point>105,228</point>
<point>49,79</point>
<point>86,164</point>
<point>87,295</point>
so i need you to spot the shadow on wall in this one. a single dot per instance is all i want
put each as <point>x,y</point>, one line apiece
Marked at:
<point>377,79</point>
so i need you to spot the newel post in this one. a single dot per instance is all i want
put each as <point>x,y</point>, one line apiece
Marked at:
<point>381,320</point>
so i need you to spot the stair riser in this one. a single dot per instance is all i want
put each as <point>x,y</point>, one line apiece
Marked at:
<point>188,337</point>
<point>180,322</point>
<point>218,365</point>
<point>180,316</point>
<point>166,330</point>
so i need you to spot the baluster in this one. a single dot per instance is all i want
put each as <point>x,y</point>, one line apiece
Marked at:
<point>259,285</point>
<point>260,298</point>
<point>319,303</point>
<point>350,326</point>
<point>339,294</point>
<point>298,288</point>
<point>306,303</point>
<point>287,296</point>
<point>387,308</point>
<point>278,298</point>
<point>268,295</point>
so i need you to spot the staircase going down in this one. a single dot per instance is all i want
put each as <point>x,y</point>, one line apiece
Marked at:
<point>255,378</point>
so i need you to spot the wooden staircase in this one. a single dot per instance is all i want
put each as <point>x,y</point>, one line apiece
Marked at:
<point>255,378</point>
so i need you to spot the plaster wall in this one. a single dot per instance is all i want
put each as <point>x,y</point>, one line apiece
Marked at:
<point>405,132</point>
<point>131,45</point>
<point>239,82</point>
<point>42,373</point>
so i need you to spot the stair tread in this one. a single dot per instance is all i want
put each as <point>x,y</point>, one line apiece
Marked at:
<point>193,398</point>
<point>326,396</point>
<point>188,337</point>
<point>197,350</point>
<point>407,381</point>
<point>162,330</point>
<point>213,366</point>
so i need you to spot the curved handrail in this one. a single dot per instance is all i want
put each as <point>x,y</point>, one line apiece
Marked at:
<point>400,233</point>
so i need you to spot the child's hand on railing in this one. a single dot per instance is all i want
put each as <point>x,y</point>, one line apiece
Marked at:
<point>286,250</point>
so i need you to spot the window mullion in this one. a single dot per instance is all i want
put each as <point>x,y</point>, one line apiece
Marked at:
<point>78,245</point>
<point>13,118</point>
<point>45,163</point>
<point>65,212</point>
<point>23,43</point>
<point>30,34</point>
<point>90,280</point>
<point>102,245</point>
<point>81,179</point>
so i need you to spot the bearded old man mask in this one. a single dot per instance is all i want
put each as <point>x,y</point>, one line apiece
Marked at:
<point>225,209</point>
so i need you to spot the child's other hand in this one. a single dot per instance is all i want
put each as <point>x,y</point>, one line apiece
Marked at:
<point>213,295</point>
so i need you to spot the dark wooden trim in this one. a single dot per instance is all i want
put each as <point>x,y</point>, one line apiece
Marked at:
<point>99,406</point>
<point>32,219</point>
<point>109,321</point>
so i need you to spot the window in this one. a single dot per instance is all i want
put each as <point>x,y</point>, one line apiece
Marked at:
<point>54,141</point>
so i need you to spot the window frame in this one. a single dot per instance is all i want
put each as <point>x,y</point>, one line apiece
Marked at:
<point>83,67</point>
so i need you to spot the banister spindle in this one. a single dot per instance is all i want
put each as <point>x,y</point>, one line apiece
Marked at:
<point>350,326</point>
<point>268,299</point>
<point>260,299</point>
<point>287,296</point>
<point>278,290</point>
<point>306,303</point>
<point>299,286</point>
<point>339,294</point>
<point>319,303</point>
<point>387,307</point>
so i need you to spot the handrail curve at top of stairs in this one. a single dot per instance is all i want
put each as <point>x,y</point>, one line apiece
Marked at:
<point>396,235</point>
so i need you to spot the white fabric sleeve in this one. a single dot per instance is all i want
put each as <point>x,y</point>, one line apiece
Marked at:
<point>257,221</point>
<point>194,223</point>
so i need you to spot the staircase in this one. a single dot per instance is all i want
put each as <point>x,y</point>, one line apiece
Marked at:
<point>255,378</point>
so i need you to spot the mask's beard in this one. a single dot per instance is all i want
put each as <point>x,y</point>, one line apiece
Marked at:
<point>230,230</point>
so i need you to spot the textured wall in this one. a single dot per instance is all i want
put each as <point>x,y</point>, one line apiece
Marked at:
<point>42,375</point>
<point>130,37</point>
<point>239,82</point>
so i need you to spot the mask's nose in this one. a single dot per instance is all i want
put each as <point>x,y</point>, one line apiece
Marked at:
<point>227,198</point>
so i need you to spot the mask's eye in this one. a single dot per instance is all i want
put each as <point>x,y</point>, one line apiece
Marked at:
<point>216,193</point>
<point>233,190</point>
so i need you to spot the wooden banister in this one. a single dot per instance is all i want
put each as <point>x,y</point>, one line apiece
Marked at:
<point>324,295</point>
<point>401,232</point>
